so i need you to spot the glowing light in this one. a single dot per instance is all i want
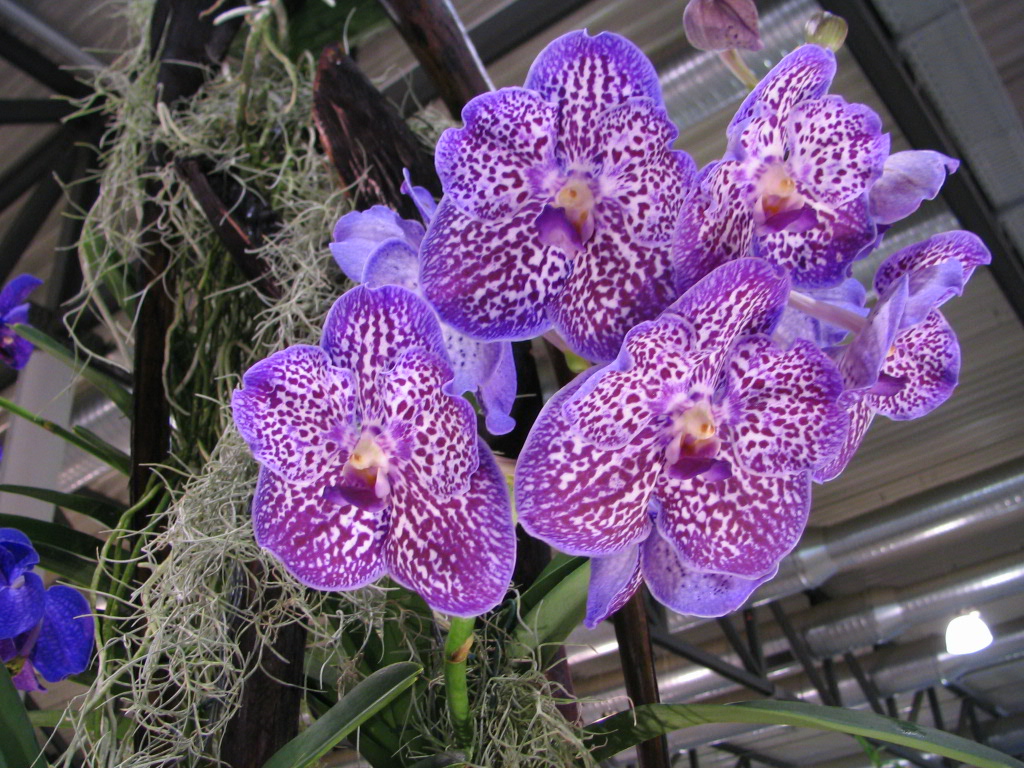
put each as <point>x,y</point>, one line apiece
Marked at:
<point>967,633</point>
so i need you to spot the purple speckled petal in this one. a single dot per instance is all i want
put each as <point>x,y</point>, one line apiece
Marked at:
<point>907,179</point>
<point>490,167</point>
<point>488,369</point>
<point>926,359</point>
<point>639,170</point>
<point>458,553</point>
<point>613,580</point>
<point>21,606</point>
<point>421,197</point>
<point>615,284</point>
<point>821,256</point>
<point>14,350</point>
<point>849,295</point>
<point>963,247</point>
<point>357,235</point>
<point>861,360</point>
<point>861,415</point>
<point>490,280</point>
<point>585,76</point>
<point>688,590</point>
<point>716,223</point>
<point>15,293</point>
<point>577,497</point>
<point>783,412</point>
<point>929,287</point>
<point>323,544</point>
<point>742,525</point>
<point>296,410</point>
<point>806,73</point>
<point>393,262</point>
<point>612,407</point>
<point>838,148</point>
<point>368,328</point>
<point>742,297</point>
<point>442,442</point>
<point>65,637</point>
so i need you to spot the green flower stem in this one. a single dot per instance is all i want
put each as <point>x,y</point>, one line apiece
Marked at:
<point>456,651</point>
<point>738,67</point>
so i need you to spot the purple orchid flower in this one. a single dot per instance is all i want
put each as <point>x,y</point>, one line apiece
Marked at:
<point>14,350</point>
<point>904,359</point>
<point>703,432</point>
<point>560,202</point>
<point>44,630</point>
<point>377,247</point>
<point>793,186</point>
<point>370,464</point>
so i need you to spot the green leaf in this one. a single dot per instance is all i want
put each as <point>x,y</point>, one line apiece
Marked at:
<point>18,747</point>
<point>103,450</point>
<point>356,707</point>
<point>612,735</point>
<point>99,510</point>
<point>118,461</point>
<point>46,718</point>
<point>69,553</point>
<point>442,760</point>
<point>557,614</point>
<point>561,565</point>
<point>109,386</point>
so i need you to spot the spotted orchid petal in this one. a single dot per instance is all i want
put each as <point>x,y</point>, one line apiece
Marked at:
<point>457,553</point>
<point>488,369</point>
<point>861,361</point>
<point>580,498</point>
<point>821,255</point>
<point>295,411</point>
<point>585,76</point>
<point>684,589</point>
<point>861,416</point>
<point>359,233</point>
<point>925,361</point>
<point>441,453</point>
<point>784,417</point>
<point>613,580</point>
<point>908,178</point>
<point>743,297</point>
<point>367,329</point>
<point>611,407</point>
<point>490,282</point>
<point>804,74</point>
<point>510,136</point>
<point>65,639</point>
<point>741,525</point>
<point>323,544</point>
<point>613,286</point>
<point>964,248</point>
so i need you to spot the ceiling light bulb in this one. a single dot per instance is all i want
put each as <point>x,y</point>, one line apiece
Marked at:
<point>967,633</point>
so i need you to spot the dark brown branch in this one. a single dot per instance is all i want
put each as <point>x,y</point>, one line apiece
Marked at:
<point>240,227</point>
<point>637,659</point>
<point>437,38</point>
<point>366,139</point>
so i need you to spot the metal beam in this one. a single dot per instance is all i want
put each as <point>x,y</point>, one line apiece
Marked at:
<point>714,663</point>
<point>39,67</point>
<point>33,165</point>
<point>24,111</point>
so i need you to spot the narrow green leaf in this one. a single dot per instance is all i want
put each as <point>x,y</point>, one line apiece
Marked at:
<point>109,386</point>
<point>18,747</point>
<point>116,462</point>
<point>356,707</point>
<point>69,553</point>
<point>561,565</point>
<point>614,734</point>
<point>99,510</point>
<point>442,760</point>
<point>557,614</point>
<point>46,718</point>
<point>115,457</point>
